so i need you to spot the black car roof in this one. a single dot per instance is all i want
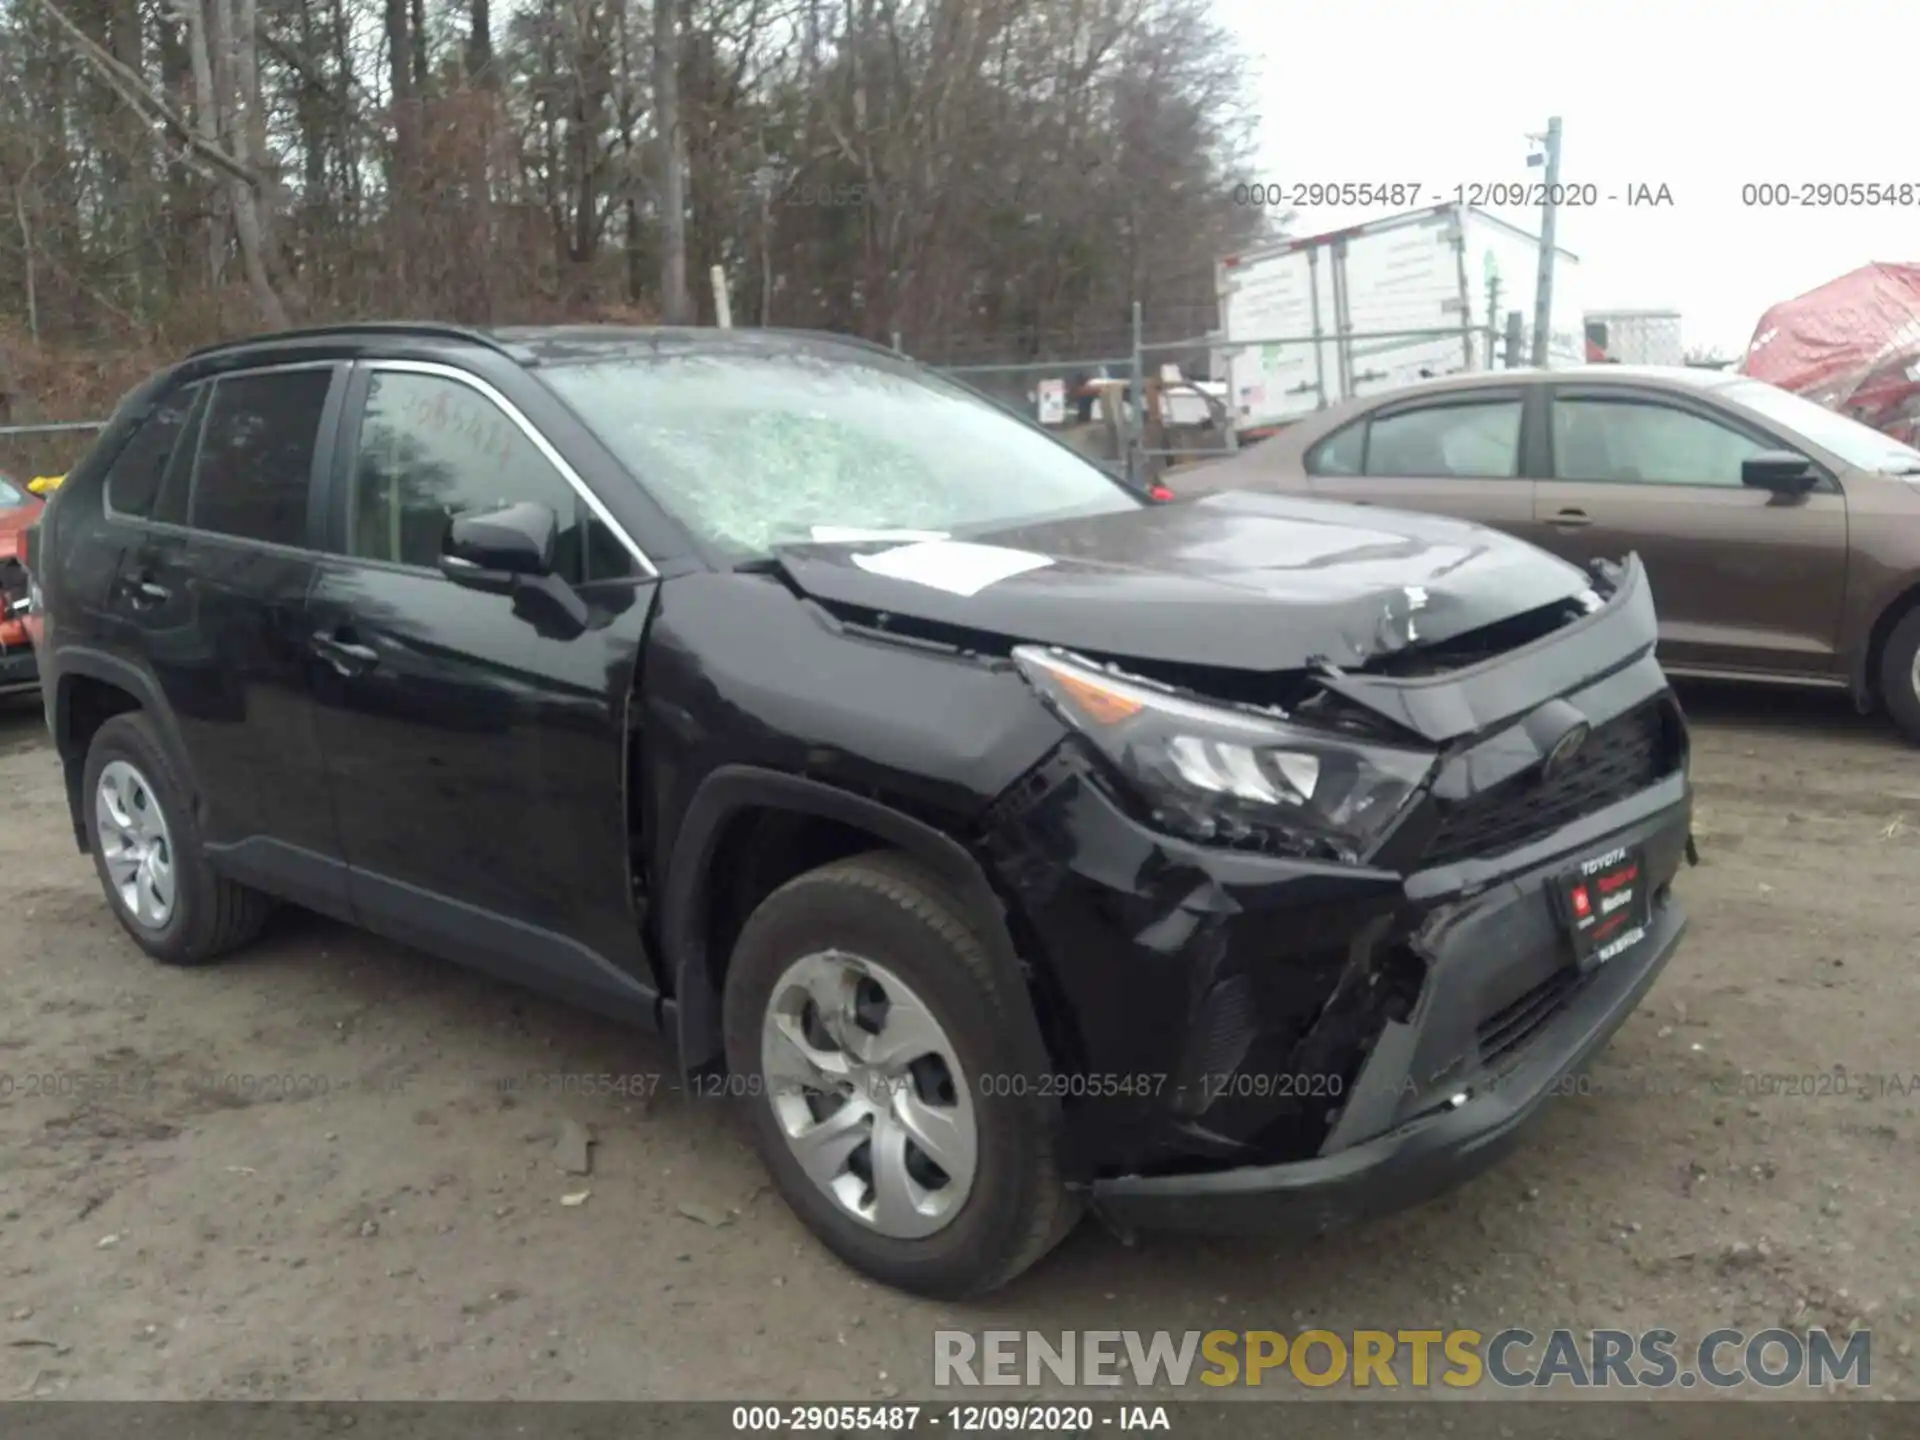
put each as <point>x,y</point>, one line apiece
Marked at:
<point>537,345</point>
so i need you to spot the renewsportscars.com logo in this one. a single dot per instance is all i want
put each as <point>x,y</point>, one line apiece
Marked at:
<point>1415,1359</point>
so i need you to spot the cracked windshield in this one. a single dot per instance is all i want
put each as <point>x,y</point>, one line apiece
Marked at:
<point>751,453</point>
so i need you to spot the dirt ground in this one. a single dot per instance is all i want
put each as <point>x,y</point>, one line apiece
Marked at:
<point>383,1223</point>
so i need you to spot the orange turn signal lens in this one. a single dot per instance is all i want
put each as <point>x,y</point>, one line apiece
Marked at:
<point>1098,703</point>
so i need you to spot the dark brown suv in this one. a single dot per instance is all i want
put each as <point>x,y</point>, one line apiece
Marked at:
<point>1782,539</point>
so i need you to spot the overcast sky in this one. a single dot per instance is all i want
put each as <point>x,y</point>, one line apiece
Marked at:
<point>1703,96</point>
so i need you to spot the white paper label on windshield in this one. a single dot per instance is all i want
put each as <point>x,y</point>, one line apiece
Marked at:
<point>955,566</point>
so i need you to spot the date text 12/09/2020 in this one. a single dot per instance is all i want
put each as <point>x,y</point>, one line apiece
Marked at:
<point>1412,194</point>
<point>904,1419</point>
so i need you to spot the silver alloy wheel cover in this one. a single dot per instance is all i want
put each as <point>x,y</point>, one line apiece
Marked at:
<point>1914,679</point>
<point>135,844</point>
<point>880,1102</point>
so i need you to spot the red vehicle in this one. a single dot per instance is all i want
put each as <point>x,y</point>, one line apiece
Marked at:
<point>19,672</point>
<point>1852,345</point>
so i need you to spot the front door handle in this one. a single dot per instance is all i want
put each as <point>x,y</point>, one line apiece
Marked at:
<point>1570,519</point>
<point>340,650</point>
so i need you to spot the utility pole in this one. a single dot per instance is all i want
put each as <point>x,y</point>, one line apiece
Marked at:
<point>676,301</point>
<point>1493,315</point>
<point>1543,290</point>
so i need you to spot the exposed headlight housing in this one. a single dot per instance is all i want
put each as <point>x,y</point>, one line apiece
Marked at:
<point>1233,776</point>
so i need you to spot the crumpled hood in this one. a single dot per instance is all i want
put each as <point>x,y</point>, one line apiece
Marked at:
<point>1241,580</point>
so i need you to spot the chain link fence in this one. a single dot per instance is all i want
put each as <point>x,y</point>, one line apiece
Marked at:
<point>1164,403</point>
<point>45,448</point>
<point>1140,407</point>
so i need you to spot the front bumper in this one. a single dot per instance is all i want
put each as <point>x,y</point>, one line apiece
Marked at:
<point>1256,1042</point>
<point>1420,1159</point>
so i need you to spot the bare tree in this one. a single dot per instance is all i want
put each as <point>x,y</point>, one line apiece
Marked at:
<point>992,179</point>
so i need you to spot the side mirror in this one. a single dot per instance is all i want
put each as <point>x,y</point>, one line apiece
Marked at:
<point>510,551</point>
<point>513,541</point>
<point>1780,471</point>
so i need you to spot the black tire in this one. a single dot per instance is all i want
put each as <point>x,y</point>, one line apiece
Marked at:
<point>1897,675</point>
<point>892,911</point>
<point>210,915</point>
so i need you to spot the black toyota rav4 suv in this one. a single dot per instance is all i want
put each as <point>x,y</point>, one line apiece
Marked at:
<point>1004,842</point>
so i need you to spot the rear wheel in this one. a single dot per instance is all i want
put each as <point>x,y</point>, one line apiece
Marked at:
<point>874,1038</point>
<point>145,841</point>
<point>1900,675</point>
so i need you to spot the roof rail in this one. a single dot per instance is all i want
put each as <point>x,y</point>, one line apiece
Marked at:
<point>858,341</point>
<point>425,329</point>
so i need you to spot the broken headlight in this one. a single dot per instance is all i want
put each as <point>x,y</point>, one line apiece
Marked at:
<point>1233,776</point>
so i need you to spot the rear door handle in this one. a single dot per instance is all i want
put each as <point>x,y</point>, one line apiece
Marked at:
<point>340,650</point>
<point>143,590</point>
<point>1570,519</point>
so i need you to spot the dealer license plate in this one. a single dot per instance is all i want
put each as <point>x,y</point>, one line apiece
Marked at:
<point>1604,903</point>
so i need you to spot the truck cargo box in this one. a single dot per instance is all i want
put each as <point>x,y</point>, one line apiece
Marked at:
<point>1318,308</point>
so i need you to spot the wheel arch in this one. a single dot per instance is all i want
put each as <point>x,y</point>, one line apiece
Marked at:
<point>1866,663</point>
<point>734,792</point>
<point>90,688</point>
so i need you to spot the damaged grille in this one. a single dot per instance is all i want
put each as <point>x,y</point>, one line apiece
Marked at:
<point>1475,647</point>
<point>1623,756</point>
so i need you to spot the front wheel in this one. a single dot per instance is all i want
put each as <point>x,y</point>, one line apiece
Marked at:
<point>873,1035</point>
<point>1900,675</point>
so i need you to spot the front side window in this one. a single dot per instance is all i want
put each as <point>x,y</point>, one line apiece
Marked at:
<point>255,464</point>
<point>1480,440</point>
<point>1640,442</point>
<point>12,497</point>
<point>432,448</point>
<point>750,449</point>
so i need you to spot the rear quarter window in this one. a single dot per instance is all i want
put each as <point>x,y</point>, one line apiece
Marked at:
<point>135,476</point>
<point>1341,453</point>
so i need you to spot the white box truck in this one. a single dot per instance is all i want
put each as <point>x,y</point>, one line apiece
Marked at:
<point>1328,315</point>
<point>1635,337</point>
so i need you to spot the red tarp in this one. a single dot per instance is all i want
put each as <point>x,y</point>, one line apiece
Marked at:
<point>1852,345</point>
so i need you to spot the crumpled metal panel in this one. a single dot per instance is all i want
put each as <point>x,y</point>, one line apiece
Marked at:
<point>1852,345</point>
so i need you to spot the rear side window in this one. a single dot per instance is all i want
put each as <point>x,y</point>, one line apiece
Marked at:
<point>1474,441</point>
<point>256,455</point>
<point>133,481</point>
<point>1341,453</point>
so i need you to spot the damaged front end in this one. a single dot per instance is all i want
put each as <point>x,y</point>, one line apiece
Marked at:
<point>1299,928</point>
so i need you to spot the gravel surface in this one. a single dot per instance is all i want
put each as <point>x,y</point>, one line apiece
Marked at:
<point>360,1212</point>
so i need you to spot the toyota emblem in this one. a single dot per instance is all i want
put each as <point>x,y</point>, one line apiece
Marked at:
<point>1564,749</point>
